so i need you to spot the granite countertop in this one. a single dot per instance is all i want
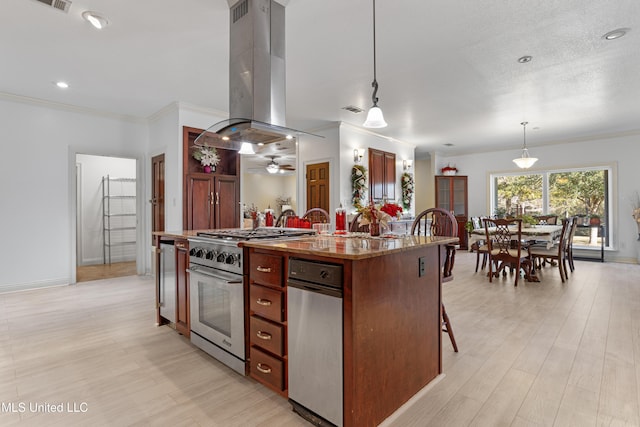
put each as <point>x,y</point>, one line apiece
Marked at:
<point>353,246</point>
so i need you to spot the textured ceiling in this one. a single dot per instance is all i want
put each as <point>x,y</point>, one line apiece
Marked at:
<point>447,70</point>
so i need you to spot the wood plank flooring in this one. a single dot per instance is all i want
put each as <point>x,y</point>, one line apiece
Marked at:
<point>541,354</point>
<point>87,273</point>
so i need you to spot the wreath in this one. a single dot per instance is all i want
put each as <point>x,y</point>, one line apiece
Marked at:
<point>358,185</point>
<point>407,190</point>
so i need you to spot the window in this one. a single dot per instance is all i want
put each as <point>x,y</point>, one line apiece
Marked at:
<point>581,192</point>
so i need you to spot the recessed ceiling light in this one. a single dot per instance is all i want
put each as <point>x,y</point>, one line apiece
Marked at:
<point>616,34</point>
<point>289,137</point>
<point>62,85</point>
<point>95,19</point>
<point>525,59</point>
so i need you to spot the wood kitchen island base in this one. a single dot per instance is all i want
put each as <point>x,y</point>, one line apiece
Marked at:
<point>391,316</point>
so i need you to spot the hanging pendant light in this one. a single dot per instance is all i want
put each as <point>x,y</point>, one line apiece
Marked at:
<point>374,117</point>
<point>525,161</point>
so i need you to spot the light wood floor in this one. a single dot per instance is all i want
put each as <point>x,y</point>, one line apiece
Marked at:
<point>541,354</point>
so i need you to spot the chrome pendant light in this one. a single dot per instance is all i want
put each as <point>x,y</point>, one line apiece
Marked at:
<point>375,118</point>
<point>525,161</point>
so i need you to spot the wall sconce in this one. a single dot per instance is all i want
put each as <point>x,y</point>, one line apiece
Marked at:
<point>356,155</point>
<point>406,164</point>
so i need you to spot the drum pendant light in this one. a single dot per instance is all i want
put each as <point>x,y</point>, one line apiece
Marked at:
<point>525,161</point>
<point>374,117</point>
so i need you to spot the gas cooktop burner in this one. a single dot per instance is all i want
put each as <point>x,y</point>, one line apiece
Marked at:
<point>258,233</point>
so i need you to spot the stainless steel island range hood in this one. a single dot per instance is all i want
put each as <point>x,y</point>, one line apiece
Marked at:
<point>256,78</point>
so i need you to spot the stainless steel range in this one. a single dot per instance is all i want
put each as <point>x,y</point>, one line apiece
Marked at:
<point>218,290</point>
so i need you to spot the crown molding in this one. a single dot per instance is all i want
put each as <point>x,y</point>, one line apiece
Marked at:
<point>68,107</point>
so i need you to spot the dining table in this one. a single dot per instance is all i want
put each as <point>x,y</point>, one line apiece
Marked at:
<point>548,234</point>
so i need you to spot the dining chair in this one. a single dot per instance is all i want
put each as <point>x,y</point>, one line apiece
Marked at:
<point>546,219</point>
<point>479,246</point>
<point>317,215</point>
<point>569,244</point>
<point>282,218</point>
<point>355,225</point>
<point>557,252</point>
<point>504,245</point>
<point>442,223</point>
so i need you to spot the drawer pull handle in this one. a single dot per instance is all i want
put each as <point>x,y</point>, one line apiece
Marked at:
<point>265,369</point>
<point>263,269</point>
<point>263,335</point>
<point>264,302</point>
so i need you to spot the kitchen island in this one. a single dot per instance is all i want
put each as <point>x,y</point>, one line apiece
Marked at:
<point>391,327</point>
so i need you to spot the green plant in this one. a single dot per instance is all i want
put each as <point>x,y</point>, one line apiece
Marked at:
<point>528,220</point>
<point>468,226</point>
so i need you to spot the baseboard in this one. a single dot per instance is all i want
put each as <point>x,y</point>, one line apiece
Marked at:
<point>17,287</point>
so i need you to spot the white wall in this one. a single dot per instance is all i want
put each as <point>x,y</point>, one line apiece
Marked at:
<point>262,190</point>
<point>424,196</point>
<point>38,147</point>
<point>90,237</point>
<point>622,151</point>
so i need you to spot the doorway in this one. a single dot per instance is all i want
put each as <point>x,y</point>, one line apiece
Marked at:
<point>106,217</point>
<point>318,186</point>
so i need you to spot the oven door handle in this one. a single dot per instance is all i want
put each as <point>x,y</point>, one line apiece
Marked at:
<point>206,273</point>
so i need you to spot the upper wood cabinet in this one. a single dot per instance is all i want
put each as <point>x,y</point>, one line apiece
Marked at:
<point>382,176</point>
<point>451,194</point>
<point>210,200</point>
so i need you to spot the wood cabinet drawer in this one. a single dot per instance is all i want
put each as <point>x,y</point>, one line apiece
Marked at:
<point>266,302</point>
<point>267,369</point>
<point>266,269</point>
<point>267,335</point>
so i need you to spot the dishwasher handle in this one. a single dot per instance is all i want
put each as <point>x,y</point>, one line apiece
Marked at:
<point>315,287</point>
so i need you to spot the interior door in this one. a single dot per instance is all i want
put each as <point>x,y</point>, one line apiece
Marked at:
<point>157,193</point>
<point>318,186</point>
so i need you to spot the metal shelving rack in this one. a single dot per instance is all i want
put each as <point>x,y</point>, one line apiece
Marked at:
<point>118,214</point>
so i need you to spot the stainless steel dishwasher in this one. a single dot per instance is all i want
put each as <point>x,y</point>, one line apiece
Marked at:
<point>314,317</point>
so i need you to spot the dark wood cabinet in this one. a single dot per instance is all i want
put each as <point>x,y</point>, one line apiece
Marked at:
<point>382,176</point>
<point>267,320</point>
<point>451,194</point>
<point>210,200</point>
<point>183,324</point>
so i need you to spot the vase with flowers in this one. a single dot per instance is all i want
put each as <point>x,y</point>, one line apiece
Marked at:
<point>377,217</point>
<point>208,158</point>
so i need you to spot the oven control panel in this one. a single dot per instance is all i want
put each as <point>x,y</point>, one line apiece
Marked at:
<point>209,254</point>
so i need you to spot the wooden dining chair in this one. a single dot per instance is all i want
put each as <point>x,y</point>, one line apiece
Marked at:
<point>504,243</point>
<point>440,223</point>
<point>355,225</point>
<point>317,215</point>
<point>557,252</point>
<point>479,246</point>
<point>569,244</point>
<point>282,218</point>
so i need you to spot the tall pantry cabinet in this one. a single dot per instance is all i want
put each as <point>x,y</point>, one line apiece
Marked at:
<point>451,194</point>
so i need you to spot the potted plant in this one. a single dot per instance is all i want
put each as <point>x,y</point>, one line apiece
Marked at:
<point>594,220</point>
<point>208,158</point>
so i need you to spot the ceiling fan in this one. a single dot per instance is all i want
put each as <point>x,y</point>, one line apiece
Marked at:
<point>275,167</point>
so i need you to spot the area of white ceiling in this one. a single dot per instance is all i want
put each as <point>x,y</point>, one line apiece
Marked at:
<point>447,70</point>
